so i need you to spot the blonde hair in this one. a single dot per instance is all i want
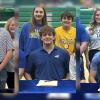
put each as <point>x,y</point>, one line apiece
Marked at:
<point>93,24</point>
<point>8,23</point>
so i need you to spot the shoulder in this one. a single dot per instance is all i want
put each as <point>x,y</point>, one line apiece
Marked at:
<point>4,32</point>
<point>35,52</point>
<point>83,33</point>
<point>25,28</point>
<point>80,28</point>
<point>73,28</point>
<point>58,28</point>
<point>27,24</point>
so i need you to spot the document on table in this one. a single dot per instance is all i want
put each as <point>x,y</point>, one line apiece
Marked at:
<point>47,83</point>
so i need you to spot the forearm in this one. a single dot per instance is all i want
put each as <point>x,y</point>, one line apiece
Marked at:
<point>83,47</point>
<point>6,59</point>
<point>28,76</point>
<point>86,55</point>
<point>87,58</point>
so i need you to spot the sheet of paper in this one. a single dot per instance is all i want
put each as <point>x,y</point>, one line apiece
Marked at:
<point>47,83</point>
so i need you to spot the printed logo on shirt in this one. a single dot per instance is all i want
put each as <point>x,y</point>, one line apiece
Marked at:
<point>57,56</point>
<point>34,35</point>
<point>97,32</point>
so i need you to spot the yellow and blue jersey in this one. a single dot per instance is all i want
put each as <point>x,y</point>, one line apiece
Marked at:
<point>66,39</point>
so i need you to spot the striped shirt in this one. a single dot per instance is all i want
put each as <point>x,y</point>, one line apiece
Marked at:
<point>5,45</point>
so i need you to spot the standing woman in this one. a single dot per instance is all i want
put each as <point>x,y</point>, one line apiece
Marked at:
<point>29,38</point>
<point>12,27</point>
<point>94,35</point>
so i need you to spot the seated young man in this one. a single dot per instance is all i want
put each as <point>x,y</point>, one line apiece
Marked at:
<point>49,62</point>
<point>95,69</point>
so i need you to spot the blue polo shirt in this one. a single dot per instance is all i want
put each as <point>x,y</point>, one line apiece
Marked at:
<point>95,65</point>
<point>53,66</point>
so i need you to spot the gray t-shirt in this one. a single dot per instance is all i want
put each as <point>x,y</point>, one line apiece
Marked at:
<point>94,42</point>
<point>95,65</point>
<point>5,45</point>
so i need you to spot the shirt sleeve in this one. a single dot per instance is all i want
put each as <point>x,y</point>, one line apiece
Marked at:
<point>30,63</point>
<point>9,41</point>
<point>81,33</point>
<point>22,58</point>
<point>84,35</point>
<point>22,61</point>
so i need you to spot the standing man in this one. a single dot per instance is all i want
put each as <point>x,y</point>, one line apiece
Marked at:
<point>65,38</point>
<point>6,51</point>
<point>49,62</point>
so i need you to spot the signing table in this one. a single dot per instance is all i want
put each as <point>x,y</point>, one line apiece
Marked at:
<point>89,88</point>
<point>64,86</point>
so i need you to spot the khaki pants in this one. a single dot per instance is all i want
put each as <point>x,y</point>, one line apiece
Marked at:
<point>72,67</point>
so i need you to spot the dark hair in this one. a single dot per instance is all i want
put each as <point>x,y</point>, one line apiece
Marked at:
<point>46,29</point>
<point>33,20</point>
<point>67,14</point>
